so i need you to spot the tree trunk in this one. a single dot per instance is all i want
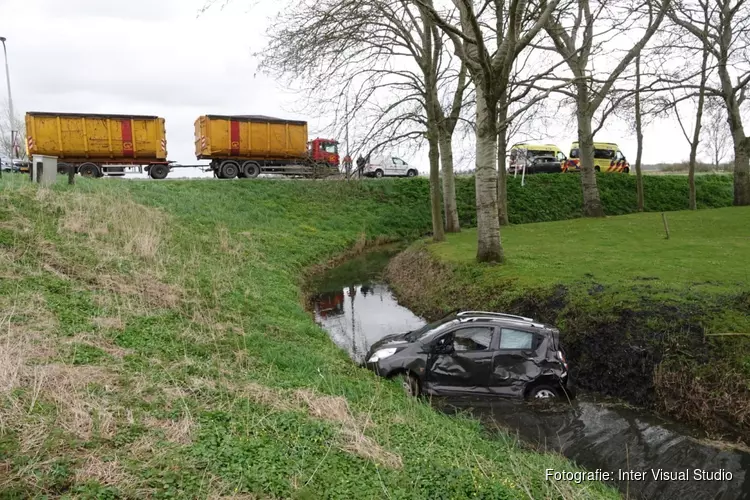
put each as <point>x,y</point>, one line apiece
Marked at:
<point>452,224</point>
<point>502,172</point>
<point>742,172</point>
<point>489,246</point>
<point>639,136</point>
<point>438,230</point>
<point>693,202</point>
<point>740,140</point>
<point>592,205</point>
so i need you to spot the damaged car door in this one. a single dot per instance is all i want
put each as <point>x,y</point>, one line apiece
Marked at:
<point>516,362</point>
<point>461,361</point>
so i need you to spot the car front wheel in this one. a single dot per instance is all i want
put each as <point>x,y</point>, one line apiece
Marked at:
<point>410,385</point>
<point>543,392</point>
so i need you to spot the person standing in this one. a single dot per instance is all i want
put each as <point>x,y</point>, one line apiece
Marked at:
<point>348,166</point>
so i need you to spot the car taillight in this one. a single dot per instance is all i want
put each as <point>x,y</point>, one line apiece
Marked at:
<point>562,359</point>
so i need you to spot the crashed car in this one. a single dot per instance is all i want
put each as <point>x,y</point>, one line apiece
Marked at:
<point>476,353</point>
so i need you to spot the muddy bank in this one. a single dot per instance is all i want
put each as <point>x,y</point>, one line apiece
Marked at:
<point>648,351</point>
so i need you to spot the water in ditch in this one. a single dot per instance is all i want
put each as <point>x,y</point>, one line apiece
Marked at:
<point>353,304</point>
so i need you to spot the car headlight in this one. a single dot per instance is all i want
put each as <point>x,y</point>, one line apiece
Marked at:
<point>382,354</point>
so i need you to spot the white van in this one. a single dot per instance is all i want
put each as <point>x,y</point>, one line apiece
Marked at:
<point>389,166</point>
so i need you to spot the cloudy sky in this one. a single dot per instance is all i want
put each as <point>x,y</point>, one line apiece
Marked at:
<point>160,57</point>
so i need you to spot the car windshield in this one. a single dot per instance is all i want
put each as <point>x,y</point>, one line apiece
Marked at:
<point>430,329</point>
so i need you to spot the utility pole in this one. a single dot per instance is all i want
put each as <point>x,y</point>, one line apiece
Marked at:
<point>13,131</point>
<point>346,133</point>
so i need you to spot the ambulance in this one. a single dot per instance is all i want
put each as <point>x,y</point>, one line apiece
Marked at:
<point>607,158</point>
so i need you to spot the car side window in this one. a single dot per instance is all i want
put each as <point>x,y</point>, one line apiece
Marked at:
<point>398,161</point>
<point>619,156</point>
<point>476,338</point>
<point>516,339</point>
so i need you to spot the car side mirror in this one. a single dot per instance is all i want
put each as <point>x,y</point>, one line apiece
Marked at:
<point>444,348</point>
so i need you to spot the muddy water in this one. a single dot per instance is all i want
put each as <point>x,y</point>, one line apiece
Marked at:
<point>356,308</point>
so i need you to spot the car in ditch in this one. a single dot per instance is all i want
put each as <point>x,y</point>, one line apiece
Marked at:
<point>477,353</point>
<point>539,165</point>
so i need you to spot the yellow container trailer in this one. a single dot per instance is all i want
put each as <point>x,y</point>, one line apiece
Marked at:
<point>98,144</point>
<point>248,145</point>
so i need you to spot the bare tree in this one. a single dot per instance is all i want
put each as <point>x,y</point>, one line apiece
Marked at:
<point>515,25</point>
<point>446,126</point>
<point>378,49</point>
<point>580,33</point>
<point>9,123</point>
<point>727,40</point>
<point>638,135</point>
<point>717,140</point>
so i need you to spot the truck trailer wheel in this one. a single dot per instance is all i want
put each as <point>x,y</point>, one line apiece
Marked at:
<point>229,170</point>
<point>89,170</point>
<point>158,171</point>
<point>250,170</point>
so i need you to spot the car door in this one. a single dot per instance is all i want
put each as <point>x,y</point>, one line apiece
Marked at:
<point>552,166</point>
<point>399,167</point>
<point>460,361</point>
<point>515,362</point>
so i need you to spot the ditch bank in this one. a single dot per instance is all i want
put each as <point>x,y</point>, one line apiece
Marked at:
<point>639,450</point>
<point>645,349</point>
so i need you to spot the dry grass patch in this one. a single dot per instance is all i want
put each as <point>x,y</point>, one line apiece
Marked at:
<point>148,287</point>
<point>106,473</point>
<point>175,431</point>
<point>111,322</point>
<point>119,221</point>
<point>79,412</point>
<point>103,344</point>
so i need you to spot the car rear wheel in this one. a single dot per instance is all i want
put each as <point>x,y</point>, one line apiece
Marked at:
<point>410,385</point>
<point>378,174</point>
<point>543,392</point>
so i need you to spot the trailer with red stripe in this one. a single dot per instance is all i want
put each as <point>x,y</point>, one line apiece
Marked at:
<point>95,145</point>
<point>249,145</point>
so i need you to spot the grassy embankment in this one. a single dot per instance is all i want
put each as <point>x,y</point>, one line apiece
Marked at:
<point>558,197</point>
<point>640,315</point>
<point>153,343</point>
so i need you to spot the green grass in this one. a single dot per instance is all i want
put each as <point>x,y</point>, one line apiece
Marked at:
<point>558,197</point>
<point>154,344</point>
<point>710,248</point>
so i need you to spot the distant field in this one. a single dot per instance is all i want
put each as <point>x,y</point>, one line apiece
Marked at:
<point>710,246</point>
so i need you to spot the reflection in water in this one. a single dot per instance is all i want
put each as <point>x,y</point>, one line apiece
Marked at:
<point>359,315</point>
<point>615,438</point>
<point>596,435</point>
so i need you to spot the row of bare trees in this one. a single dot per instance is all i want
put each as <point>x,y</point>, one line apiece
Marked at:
<point>419,71</point>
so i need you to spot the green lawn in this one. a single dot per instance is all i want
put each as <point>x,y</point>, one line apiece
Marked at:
<point>709,247</point>
<point>153,343</point>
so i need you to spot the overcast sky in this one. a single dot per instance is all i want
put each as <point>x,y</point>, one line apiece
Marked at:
<point>159,57</point>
